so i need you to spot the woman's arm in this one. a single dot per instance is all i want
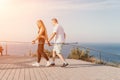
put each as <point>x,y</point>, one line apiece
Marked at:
<point>39,35</point>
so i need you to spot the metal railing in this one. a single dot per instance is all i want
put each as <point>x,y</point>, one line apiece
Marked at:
<point>6,45</point>
<point>23,48</point>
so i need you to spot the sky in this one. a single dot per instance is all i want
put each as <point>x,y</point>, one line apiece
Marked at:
<point>93,21</point>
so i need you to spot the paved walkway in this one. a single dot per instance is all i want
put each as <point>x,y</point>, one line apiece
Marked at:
<point>19,68</point>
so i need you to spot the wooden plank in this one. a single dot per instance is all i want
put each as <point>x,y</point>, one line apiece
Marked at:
<point>37,74</point>
<point>5,77</point>
<point>22,74</point>
<point>17,74</point>
<point>23,71</point>
<point>32,74</point>
<point>2,67</point>
<point>45,74</point>
<point>3,71</point>
<point>56,73</point>
<point>27,74</point>
<point>12,73</point>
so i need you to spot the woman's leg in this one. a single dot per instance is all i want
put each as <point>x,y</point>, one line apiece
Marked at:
<point>45,56</point>
<point>43,53</point>
<point>39,56</point>
<point>39,53</point>
<point>1,53</point>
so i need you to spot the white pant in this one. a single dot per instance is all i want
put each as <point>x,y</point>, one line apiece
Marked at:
<point>58,48</point>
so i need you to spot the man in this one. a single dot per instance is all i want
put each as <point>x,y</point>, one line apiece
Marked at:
<point>59,39</point>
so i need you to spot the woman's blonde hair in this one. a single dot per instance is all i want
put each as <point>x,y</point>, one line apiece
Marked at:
<point>43,26</point>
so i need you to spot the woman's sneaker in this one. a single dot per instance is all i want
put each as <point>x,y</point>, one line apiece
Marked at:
<point>48,64</point>
<point>36,64</point>
<point>65,64</point>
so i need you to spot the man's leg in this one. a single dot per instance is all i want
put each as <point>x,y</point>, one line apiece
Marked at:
<point>53,58</point>
<point>58,52</point>
<point>63,60</point>
<point>54,55</point>
<point>61,57</point>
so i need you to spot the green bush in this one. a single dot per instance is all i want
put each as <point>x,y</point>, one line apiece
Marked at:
<point>49,53</point>
<point>81,54</point>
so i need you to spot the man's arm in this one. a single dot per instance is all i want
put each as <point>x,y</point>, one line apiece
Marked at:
<point>52,36</point>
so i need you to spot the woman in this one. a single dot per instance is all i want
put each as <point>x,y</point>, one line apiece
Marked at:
<point>41,38</point>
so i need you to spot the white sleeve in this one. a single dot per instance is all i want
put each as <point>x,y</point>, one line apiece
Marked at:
<point>55,30</point>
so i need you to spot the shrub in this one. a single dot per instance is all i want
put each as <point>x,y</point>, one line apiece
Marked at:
<point>49,53</point>
<point>81,54</point>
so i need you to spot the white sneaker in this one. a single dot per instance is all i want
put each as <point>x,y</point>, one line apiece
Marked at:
<point>36,64</point>
<point>48,64</point>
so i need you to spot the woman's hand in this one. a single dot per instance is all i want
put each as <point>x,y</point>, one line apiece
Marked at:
<point>33,42</point>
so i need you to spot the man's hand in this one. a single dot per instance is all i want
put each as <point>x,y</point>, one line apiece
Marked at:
<point>49,43</point>
<point>33,42</point>
<point>52,36</point>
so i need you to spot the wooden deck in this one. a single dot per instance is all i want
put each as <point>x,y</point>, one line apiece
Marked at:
<point>19,68</point>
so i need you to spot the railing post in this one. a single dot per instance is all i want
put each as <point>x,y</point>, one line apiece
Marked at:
<point>6,49</point>
<point>100,57</point>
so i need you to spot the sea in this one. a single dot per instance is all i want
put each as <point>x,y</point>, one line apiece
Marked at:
<point>105,51</point>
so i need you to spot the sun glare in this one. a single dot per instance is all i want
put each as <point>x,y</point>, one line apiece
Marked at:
<point>3,3</point>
